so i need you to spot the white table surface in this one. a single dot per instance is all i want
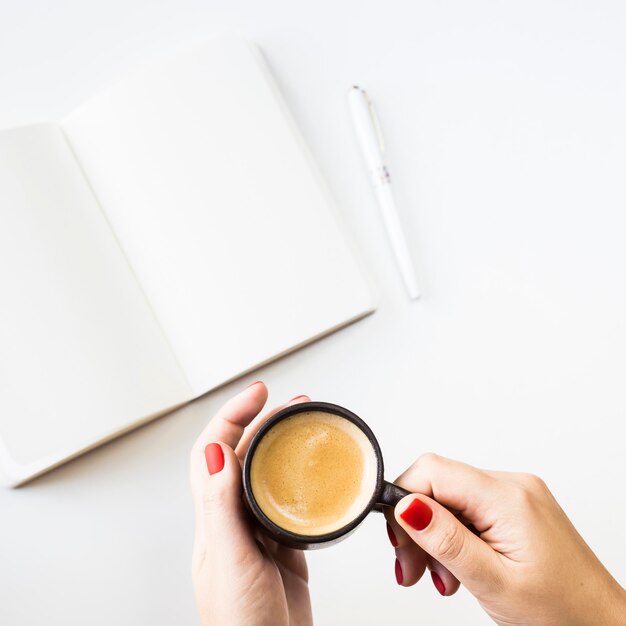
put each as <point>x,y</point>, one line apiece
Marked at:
<point>506,132</point>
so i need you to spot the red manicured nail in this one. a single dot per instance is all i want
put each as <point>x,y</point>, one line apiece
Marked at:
<point>418,514</point>
<point>296,398</point>
<point>392,536</point>
<point>438,583</point>
<point>214,458</point>
<point>256,382</point>
<point>399,577</point>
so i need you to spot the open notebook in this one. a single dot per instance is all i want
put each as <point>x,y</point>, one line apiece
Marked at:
<point>169,235</point>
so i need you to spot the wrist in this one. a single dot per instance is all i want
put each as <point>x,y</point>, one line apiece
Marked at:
<point>616,607</point>
<point>601,600</point>
<point>605,605</point>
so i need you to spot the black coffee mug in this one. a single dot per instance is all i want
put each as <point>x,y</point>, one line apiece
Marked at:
<point>384,493</point>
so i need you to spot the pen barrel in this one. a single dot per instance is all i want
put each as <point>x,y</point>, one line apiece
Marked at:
<point>369,137</point>
<point>364,128</point>
<point>380,175</point>
<point>400,247</point>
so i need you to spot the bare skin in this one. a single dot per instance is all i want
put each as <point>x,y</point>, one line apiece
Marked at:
<point>240,577</point>
<point>502,535</point>
<point>521,558</point>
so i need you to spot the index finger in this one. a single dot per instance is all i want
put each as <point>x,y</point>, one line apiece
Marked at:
<point>230,421</point>
<point>259,421</point>
<point>456,486</point>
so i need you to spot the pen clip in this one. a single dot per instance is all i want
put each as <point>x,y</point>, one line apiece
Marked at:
<point>375,122</point>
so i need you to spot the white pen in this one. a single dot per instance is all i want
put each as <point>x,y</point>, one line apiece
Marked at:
<point>371,142</point>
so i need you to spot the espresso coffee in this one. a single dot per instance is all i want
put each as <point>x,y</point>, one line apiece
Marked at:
<point>314,472</point>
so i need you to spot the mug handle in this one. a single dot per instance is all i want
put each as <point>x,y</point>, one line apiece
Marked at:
<point>390,495</point>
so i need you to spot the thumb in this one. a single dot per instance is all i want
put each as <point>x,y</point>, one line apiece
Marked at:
<point>441,535</point>
<point>222,527</point>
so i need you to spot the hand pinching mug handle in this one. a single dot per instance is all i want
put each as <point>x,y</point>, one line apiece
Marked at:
<point>317,419</point>
<point>390,495</point>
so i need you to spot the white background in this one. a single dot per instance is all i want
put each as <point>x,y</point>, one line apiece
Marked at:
<point>506,132</point>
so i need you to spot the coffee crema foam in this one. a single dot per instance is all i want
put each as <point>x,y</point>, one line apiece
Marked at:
<point>313,472</point>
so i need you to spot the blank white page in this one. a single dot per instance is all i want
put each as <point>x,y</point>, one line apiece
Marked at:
<point>81,353</point>
<point>219,208</point>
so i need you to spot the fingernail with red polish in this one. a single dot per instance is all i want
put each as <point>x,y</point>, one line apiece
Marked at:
<point>438,583</point>
<point>297,398</point>
<point>214,458</point>
<point>418,514</point>
<point>256,382</point>
<point>392,536</point>
<point>399,577</point>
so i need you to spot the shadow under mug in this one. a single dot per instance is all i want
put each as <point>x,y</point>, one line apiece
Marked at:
<point>384,493</point>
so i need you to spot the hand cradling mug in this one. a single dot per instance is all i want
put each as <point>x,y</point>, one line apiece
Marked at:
<point>312,473</point>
